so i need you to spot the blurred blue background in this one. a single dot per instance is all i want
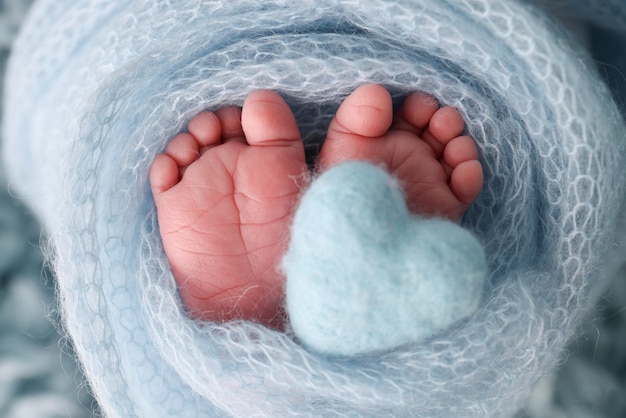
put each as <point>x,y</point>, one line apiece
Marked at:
<point>38,377</point>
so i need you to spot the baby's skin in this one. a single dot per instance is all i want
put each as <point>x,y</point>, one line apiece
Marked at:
<point>226,190</point>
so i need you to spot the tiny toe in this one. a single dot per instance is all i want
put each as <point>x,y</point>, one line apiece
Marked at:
<point>163,174</point>
<point>367,112</point>
<point>230,121</point>
<point>415,113</point>
<point>446,124</point>
<point>183,149</point>
<point>459,150</point>
<point>205,128</point>
<point>266,119</point>
<point>466,181</point>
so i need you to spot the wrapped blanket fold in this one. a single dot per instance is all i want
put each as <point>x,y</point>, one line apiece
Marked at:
<point>95,89</point>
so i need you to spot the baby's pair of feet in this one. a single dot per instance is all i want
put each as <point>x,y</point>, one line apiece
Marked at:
<point>226,190</point>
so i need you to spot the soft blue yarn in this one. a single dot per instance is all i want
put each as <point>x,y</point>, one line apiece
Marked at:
<point>95,89</point>
<point>364,275</point>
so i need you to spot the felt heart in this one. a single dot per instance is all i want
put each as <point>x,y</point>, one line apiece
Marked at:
<point>365,275</point>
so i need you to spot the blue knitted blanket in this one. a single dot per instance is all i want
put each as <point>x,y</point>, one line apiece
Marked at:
<point>95,89</point>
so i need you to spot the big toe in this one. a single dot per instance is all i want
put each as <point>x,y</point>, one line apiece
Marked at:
<point>367,112</point>
<point>266,119</point>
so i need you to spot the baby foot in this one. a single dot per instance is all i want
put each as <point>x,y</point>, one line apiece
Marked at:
<point>421,145</point>
<point>225,192</point>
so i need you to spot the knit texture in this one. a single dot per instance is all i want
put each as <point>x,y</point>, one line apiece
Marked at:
<point>95,89</point>
<point>364,275</point>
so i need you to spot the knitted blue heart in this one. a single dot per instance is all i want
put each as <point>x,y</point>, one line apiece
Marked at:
<point>365,275</point>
